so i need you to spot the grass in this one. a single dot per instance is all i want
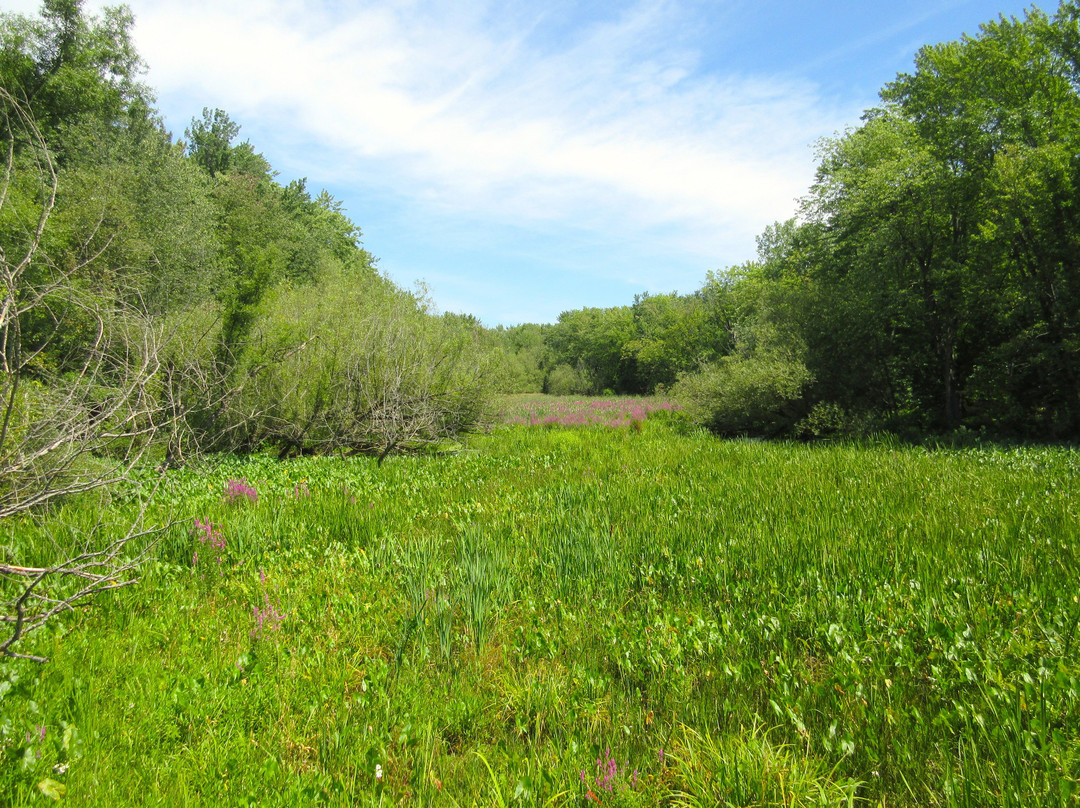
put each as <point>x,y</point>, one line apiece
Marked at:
<point>723,622</point>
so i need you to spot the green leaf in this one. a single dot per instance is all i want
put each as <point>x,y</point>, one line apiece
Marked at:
<point>52,789</point>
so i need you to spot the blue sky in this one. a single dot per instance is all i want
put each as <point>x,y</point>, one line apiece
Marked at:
<point>525,158</point>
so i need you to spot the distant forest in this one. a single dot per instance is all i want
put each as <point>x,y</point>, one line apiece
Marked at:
<point>176,288</point>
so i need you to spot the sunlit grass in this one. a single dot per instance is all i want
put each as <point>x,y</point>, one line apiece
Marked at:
<point>766,624</point>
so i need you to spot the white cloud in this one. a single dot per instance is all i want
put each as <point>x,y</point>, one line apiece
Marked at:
<point>464,107</point>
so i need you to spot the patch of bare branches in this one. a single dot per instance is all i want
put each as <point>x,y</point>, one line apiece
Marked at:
<point>72,419</point>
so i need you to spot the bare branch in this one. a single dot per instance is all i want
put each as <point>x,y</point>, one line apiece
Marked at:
<point>84,423</point>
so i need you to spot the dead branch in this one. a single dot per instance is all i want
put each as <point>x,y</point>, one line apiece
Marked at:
<point>82,424</point>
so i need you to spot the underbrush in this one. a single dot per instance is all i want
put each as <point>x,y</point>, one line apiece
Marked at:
<point>574,616</point>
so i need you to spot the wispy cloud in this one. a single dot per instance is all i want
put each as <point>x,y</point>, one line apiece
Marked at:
<point>475,109</point>
<point>528,157</point>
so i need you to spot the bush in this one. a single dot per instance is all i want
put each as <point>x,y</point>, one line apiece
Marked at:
<point>353,364</point>
<point>565,380</point>
<point>745,395</point>
<point>828,419</point>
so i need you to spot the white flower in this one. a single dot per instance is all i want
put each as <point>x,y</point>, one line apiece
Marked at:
<point>378,772</point>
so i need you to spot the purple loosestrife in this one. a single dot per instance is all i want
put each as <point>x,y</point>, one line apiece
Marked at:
<point>608,770</point>
<point>208,533</point>
<point>621,412</point>
<point>268,616</point>
<point>238,491</point>
<point>41,730</point>
<point>609,777</point>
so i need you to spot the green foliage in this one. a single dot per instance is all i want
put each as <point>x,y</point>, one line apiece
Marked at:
<point>352,364</point>
<point>638,349</point>
<point>272,322</point>
<point>521,354</point>
<point>673,336</point>
<point>564,380</point>
<point>930,282</point>
<point>759,386</point>
<point>745,395</point>
<point>73,68</point>
<point>593,340</point>
<point>954,204</point>
<point>210,140</point>
<point>741,621</point>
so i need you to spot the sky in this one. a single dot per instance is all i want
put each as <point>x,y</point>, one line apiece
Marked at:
<point>527,157</point>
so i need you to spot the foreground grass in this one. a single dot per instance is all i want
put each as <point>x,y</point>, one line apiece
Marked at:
<point>572,617</point>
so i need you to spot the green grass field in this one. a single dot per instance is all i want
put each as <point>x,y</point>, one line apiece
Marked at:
<point>572,616</point>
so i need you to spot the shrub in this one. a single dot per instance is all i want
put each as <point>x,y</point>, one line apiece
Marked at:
<point>565,380</point>
<point>353,364</point>
<point>754,395</point>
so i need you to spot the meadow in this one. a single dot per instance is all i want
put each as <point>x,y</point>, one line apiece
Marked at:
<point>626,615</point>
<point>545,410</point>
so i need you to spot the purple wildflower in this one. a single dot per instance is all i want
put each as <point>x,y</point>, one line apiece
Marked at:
<point>269,613</point>
<point>207,533</point>
<point>237,490</point>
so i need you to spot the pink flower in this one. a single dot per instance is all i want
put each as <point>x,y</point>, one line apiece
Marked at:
<point>237,490</point>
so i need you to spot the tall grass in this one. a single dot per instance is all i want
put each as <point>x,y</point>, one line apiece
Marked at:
<point>727,622</point>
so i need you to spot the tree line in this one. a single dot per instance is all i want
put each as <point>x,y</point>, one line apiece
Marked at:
<point>930,281</point>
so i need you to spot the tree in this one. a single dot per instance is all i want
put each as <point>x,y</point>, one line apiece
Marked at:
<point>967,184</point>
<point>210,140</point>
<point>672,335</point>
<point>590,342</point>
<point>353,364</point>
<point>67,68</point>
<point>1028,378</point>
<point>898,221</point>
<point>522,357</point>
<point>757,382</point>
